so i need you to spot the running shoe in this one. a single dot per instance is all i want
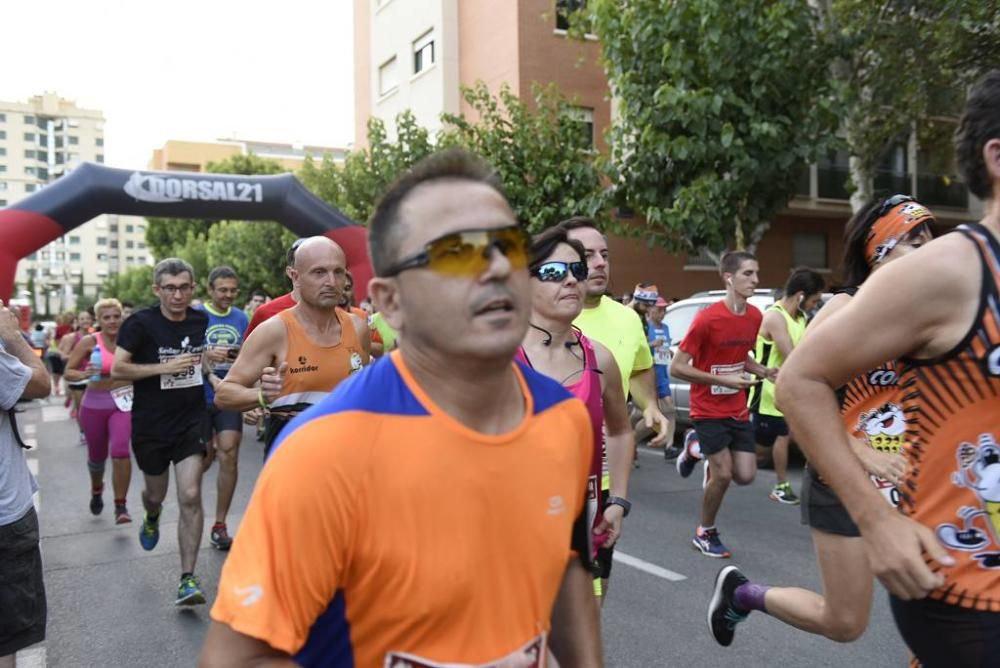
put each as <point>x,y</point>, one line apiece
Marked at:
<point>723,615</point>
<point>121,514</point>
<point>782,493</point>
<point>687,460</point>
<point>189,592</point>
<point>707,542</point>
<point>220,538</point>
<point>96,503</point>
<point>149,532</point>
<point>672,452</point>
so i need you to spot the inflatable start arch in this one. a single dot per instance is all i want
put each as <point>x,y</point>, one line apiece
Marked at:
<point>92,189</point>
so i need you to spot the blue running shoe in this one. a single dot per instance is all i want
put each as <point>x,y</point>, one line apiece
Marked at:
<point>708,543</point>
<point>687,460</point>
<point>723,615</point>
<point>149,532</point>
<point>189,592</point>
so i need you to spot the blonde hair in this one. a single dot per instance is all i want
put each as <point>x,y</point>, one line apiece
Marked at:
<point>108,302</point>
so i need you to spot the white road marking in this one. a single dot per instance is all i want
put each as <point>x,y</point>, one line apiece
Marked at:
<point>54,413</point>
<point>31,442</point>
<point>30,429</point>
<point>33,466</point>
<point>36,500</point>
<point>33,657</point>
<point>647,567</point>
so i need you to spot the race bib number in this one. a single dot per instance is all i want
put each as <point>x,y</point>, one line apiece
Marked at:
<point>725,370</point>
<point>661,355</point>
<point>887,489</point>
<point>533,655</point>
<point>189,377</point>
<point>123,397</point>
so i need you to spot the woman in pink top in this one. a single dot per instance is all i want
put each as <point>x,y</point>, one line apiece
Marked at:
<point>586,368</point>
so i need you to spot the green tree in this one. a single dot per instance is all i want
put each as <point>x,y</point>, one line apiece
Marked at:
<point>722,106</point>
<point>134,285</point>
<point>255,251</point>
<point>903,65</point>
<point>355,186</point>
<point>542,151</point>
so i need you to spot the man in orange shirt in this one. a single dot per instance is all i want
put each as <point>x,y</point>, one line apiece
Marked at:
<point>430,511</point>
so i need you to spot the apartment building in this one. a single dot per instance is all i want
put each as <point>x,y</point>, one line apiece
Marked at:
<point>194,156</point>
<point>417,54</point>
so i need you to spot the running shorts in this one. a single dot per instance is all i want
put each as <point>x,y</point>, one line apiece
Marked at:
<point>822,510</point>
<point>716,435</point>
<point>948,636</point>
<point>154,454</point>
<point>22,591</point>
<point>767,428</point>
<point>218,421</point>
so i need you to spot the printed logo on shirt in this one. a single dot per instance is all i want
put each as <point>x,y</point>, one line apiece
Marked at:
<point>883,427</point>
<point>978,471</point>
<point>533,655</point>
<point>356,363</point>
<point>304,366</point>
<point>993,362</point>
<point>250,595</point>
<point>556,505</point>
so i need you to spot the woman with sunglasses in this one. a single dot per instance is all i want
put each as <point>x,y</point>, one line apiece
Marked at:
<point>586,368</point>
<point>870,408</point>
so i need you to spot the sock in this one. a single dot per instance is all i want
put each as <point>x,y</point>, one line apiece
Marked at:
<point>184,576</point>
<point>120,502</point>
<point>219,525</point>
<point>153,519</point>
<point>702,529</point>
<point>750,596</point>
<point>97,491</point>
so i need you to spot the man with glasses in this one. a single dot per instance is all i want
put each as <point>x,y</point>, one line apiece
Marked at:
<point>160,349</point>
<point>223,429</point>
<point>303,352</point>
<point>430,511</point>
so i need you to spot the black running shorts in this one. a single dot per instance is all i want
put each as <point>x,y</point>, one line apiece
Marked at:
<point>155,454</point>
<point>714,436</point>
<point>767,428</point>
<point>822,510</point>
<point>948,636</point>
<point>22,592</point>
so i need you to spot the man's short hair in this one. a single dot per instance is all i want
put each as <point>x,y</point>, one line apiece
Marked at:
<point>578,223</point>
<point>980,123</point>
<point>290,255</point>
<point>384,230</point>
<point>804,280</point>
<point>732,260</point>
<point>258,293</point>
<point>221,272</point>
<point>172,266</point>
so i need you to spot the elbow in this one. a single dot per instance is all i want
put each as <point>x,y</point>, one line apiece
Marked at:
<point>116,372</point>
<point>223,400</point>
<point>39,387</point>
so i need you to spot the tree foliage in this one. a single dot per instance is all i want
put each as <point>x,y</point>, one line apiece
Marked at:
<point>722,106</point>
<point>134,285</point>
<point>542,152</point>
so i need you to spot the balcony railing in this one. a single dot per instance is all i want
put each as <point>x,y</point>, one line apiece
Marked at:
<point>938,190</point>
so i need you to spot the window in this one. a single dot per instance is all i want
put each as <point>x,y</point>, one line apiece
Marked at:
<point>129,244</point>
<point>679,320</point>
<point>3,151</point>
<point>423,52</point>
<point>3,168</point>
<point>74,257</point>
<point>3,118</point>
<point>29,136</point>
<point>30,187</point>
<point>584,117</point>
<point>388,77</point>
<point>563,10</point>
<point>30,171</point>
<point>113,243</point>
<point>140,258</point>
<point>3,134</point>
<point>29,120</point>
<point>130,259</point>
<point>102,257</point>
<point>140,244</point>
<point>102,241</point>
<point>99,158</point>
<point>74,240</point>
<point>809,250</point>
<point>73,140</point>
<point>3,186</point>
<point>29,154</point>
<point>43,139</point>
<point>43,173</point>
<point>99,141</point>
<point>59,255</point>
<point>114,227</point>
<point>129,229</point>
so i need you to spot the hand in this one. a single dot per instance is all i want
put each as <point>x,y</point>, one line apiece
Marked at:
<point>92,370</point>
<point>253,416</point>
<point>895,546</point>
<point>885,465</point>
<point>657,421</point>
<point>771,375</point>
<point>735,381</point>
<point>271,381</point>
<point>611,524</point>
<point>9,325</point>
<point>180,363</point>
<point>216,354</point>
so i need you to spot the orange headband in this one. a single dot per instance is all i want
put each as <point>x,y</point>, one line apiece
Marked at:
<point>892,227</point>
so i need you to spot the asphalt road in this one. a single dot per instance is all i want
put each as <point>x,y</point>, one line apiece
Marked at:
<point>111,603</point>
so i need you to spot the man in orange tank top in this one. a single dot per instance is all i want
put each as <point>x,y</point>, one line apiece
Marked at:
<point>304,352</point>
<point>936,311</point>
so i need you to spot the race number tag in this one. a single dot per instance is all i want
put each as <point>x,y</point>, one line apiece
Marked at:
<point>888,490</point>
<point>123,397</point>
<point>189,377</point>
<point>661,355</point>
<point>725,370</point>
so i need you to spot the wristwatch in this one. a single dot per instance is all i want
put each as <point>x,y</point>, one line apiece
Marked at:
<point>621,501</point>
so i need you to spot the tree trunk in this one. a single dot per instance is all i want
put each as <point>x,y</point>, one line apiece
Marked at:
<point>757,234</point>
<point>861,178</point>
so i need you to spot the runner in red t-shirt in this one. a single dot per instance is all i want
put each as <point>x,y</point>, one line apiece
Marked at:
<point>714,358</point>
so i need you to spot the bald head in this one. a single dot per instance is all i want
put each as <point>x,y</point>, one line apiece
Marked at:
<point>319,273</point>
<point>313,249</point>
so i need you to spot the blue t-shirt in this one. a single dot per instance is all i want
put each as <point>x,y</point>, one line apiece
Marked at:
<point>224,330</point>
<point>661,355</point>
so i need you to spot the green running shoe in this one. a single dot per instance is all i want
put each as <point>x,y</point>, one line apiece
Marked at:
<point>149,532</point>
<point>189,592</point>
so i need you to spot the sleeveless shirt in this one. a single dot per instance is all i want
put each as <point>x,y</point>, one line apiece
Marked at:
<point>761,398</point>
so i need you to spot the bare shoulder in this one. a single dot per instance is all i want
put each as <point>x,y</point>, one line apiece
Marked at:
<point>267,334</point>
<point>360,324</point>
<point>602,353</point>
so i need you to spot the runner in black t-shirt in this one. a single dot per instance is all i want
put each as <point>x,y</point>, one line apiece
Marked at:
<point>160,350</point>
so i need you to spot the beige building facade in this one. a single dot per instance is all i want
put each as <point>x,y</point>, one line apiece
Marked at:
<point>194,156</point>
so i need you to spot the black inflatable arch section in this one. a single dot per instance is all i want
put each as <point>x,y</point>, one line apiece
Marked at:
<point>92,189</point>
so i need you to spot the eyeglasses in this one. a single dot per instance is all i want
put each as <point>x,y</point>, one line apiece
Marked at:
<point>892,203</point>
<point>555,272</point>
<point>467,253</point>
<point>174,289</point>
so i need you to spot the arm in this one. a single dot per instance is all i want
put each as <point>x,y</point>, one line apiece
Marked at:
<point>225,647</point>
<point>620,442</point>
<point>81,351</point>
<point>642,387</point>
<point>775,328</point>
<point>682,368</point>
<point>39,385</point>
<point>123,368</point>
<point>364,335</point>
<point>759,370</point>
<point>576,633</point>
<point>913,299</point>
<point>238,391</point>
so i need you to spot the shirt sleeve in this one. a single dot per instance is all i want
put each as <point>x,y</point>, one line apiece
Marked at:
<point>643,353</point>
<point>290,555</point>
<point>130,335</point>
<point>695,336</point>
<point>14,377</point>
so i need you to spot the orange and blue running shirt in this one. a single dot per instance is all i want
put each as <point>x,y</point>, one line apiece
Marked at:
<point>383,532</point>
<point>952,484</point>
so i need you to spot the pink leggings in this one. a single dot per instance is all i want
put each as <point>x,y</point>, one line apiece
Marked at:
<point>104,426</point>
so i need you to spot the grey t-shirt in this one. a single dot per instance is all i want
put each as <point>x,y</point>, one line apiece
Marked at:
<point>16,482</point>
